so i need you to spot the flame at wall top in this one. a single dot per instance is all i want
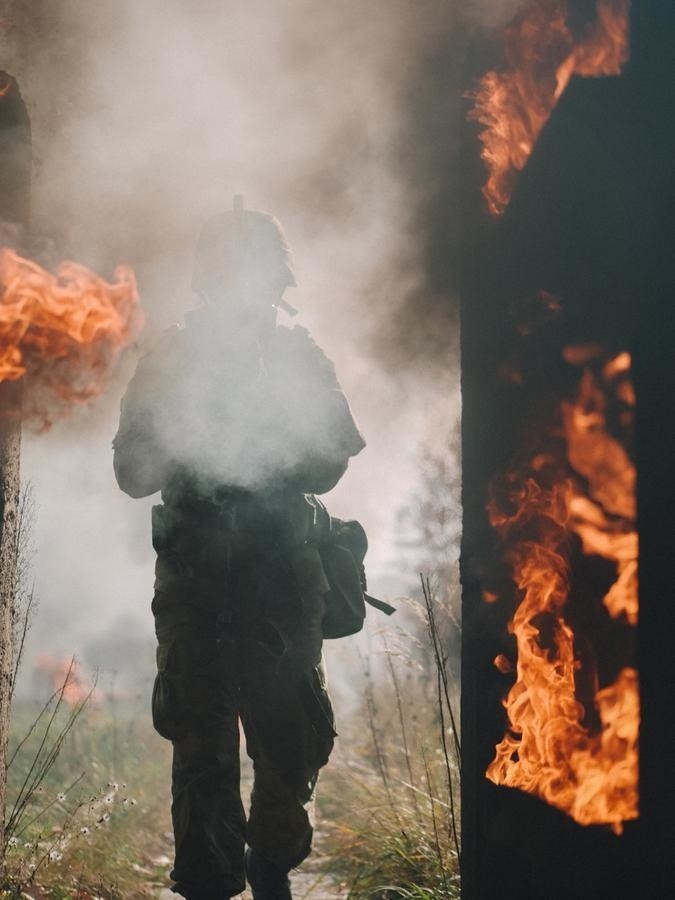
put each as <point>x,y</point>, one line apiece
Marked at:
<point>63,331</point>
<point>541,55</point>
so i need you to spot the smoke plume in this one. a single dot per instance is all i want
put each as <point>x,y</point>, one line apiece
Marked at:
<point>341,120</point>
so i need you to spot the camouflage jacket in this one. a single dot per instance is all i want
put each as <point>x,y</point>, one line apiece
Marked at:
<point>208,417</point>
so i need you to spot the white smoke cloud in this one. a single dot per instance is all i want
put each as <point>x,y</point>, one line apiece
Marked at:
<point>492,13</point>
<point>147,117</point>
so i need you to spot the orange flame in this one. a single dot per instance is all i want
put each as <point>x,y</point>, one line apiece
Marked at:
<point>64,677</point>
<point>604,520</point>
<point>541,55</point>
<point>64,331</point>
<point>550,750</point>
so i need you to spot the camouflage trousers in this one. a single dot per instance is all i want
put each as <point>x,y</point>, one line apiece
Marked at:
<point>259,664</point>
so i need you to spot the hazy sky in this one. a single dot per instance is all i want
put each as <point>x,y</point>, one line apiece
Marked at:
<point>147,117</point>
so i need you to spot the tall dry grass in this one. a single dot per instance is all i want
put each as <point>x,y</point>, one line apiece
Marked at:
<point>390,799</point>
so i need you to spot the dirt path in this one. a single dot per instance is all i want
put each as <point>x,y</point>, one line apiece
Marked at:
<point>307,884</point>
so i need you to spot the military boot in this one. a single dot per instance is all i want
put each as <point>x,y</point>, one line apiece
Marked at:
<point>268,882</point>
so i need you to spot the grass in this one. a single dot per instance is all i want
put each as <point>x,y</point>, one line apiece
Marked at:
<point>390,798</point>
<point>97,824</point>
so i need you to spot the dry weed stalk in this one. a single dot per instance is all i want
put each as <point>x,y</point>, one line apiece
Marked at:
<point>443,704</point>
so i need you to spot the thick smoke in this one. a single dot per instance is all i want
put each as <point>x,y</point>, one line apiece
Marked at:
<point>340,119</point>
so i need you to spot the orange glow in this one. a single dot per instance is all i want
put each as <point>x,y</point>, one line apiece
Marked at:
<point>502,664</point>
<point>63,331</point>
<point>64,678</point>
<point>587,492</point>
<point>541,57</point>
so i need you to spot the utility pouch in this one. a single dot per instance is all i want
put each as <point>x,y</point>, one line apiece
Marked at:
<point>163,699</point>
<point>317,705</point>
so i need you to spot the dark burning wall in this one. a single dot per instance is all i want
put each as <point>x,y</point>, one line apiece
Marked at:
<point>587,224</point>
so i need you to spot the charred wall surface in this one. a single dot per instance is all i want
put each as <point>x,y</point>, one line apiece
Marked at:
<point>590,221</point>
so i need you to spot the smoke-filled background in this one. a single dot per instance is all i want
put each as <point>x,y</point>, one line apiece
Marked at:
<point>342,120</point>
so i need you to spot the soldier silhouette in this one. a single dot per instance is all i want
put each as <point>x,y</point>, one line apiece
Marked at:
<point>239,422</point>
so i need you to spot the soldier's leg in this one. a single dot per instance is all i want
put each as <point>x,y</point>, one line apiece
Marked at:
<point>195,705</point>
<point>289,727</point>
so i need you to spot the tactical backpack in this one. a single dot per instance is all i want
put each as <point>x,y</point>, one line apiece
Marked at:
<point>342,550</point>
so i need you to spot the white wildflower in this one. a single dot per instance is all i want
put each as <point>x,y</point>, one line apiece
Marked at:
<point>61,797</point>
<point>12,842</point>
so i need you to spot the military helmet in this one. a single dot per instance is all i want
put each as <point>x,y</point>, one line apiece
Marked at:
<point>237,244</point>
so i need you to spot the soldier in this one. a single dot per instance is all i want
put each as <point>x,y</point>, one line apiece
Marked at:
<point>239,422</point>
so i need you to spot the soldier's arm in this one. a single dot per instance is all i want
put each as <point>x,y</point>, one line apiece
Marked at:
<point>140,458</point>
<point>334,434</point>
<point>325,464</point>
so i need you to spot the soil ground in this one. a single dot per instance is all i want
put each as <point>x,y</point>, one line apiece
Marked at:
<point>307,883</point>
